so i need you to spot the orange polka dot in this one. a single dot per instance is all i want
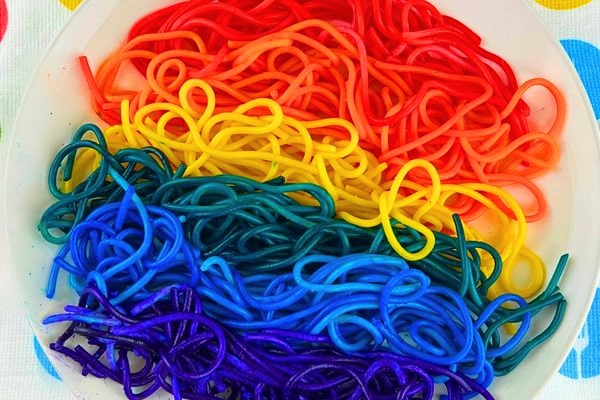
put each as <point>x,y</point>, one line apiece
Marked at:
<point>71,4</point>
<point>562,4</point>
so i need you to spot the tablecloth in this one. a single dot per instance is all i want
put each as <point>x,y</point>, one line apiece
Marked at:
<point>26,29</point>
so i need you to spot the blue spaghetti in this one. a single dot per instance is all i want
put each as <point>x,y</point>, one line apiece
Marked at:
<point>131,228</point>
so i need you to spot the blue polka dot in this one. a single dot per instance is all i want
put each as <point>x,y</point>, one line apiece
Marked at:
<point>45,363</point>
<point>584,359</point>
<point>586,58</point>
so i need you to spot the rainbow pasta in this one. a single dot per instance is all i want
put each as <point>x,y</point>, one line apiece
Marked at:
<point>315,185</point>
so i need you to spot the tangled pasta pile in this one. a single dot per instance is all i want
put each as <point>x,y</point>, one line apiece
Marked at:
<point>303,182</point>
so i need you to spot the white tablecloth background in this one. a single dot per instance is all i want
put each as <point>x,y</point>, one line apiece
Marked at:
<point>32,24</point>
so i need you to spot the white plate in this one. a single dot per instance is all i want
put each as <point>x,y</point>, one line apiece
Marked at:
<point>56,103</point>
